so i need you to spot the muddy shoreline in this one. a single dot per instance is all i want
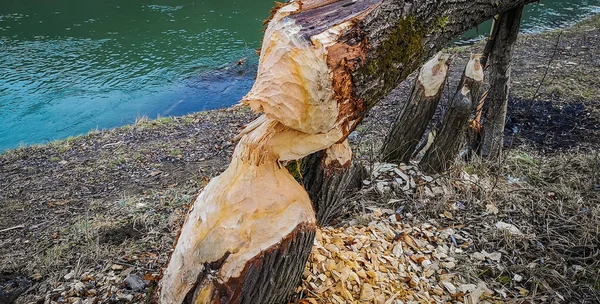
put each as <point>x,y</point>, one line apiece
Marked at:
<point>117,197</point>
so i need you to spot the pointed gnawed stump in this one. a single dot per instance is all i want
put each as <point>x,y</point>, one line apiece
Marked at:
<point>408,129</point>
<point>450,138</point>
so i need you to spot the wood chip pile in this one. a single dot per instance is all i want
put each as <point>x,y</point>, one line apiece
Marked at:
<point>386,262</point>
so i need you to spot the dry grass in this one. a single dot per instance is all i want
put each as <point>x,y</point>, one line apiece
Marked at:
<point>554,200</point>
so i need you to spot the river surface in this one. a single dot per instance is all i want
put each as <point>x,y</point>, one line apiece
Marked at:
<point>71,66</point>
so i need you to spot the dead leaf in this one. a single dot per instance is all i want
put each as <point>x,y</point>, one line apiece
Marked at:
<point>448,215</point>
<point>491,209</point>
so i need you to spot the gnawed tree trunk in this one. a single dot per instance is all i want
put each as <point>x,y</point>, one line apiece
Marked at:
<point>500,67</point>
<point>323,64</point>
<point>450,138</point>
<point>329,177</point>
<point>248,235</point>
<point>411,123</point>
<point>475,127</point>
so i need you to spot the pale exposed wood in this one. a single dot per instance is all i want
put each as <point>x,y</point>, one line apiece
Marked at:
<point>416,114</point>
<point>252,206</point>
<point>338,155</point>
<point>433,75</point>
<point>256,203</point>
<point>302,100</point>
<point>448,141</point>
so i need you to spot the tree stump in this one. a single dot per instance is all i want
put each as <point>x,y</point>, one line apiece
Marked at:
<point>411,123</point>
<point>330,177</point>
<point>448,141</point>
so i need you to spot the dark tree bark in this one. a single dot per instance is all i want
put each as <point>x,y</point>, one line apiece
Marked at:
<point>323,65</point>
<point>254,284</point>
<point>450,138</point>
<point>411,123</point>
<point>500,67</point>
<point>329,177</point>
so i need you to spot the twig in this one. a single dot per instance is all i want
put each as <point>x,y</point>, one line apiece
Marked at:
<point>8,186</point>
<point>537,91</point>
<point>113,144</point>
<point>12,228</point>
<point>132,265</point>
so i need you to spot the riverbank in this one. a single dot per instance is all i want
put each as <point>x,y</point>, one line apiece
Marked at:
<point>94,216</point>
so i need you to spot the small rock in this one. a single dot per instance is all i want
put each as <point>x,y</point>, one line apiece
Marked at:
<point>116,267</point>
<point>135,283</point>
<point>510,228</point>
<point>79,287</point>
<point>495,256</point>
<point>517,278</point>
<point>69,275</point>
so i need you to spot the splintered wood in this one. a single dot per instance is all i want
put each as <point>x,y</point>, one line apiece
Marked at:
<point>385,262</point>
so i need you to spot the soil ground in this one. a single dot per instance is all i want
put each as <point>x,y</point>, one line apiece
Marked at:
<point>112,201</point>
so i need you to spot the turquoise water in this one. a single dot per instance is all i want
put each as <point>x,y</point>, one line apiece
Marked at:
<point>68,67</point>
<point>545,15</point>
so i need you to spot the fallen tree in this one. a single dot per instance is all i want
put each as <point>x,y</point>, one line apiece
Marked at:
<point>323,65</point>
